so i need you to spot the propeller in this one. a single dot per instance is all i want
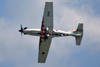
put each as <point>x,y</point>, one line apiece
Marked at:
<point>21,30</point>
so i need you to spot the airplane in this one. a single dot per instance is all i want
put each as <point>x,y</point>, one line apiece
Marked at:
<point>47,32</point>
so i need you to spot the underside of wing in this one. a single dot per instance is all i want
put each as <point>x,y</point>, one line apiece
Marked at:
<point>44,49</point>
<point>47,20</point>
<point>46,32</point>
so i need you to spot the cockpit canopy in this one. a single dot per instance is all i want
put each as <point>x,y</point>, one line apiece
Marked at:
<point>25,28</point>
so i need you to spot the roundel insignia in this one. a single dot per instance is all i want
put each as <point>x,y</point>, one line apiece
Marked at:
<point>43,53</point>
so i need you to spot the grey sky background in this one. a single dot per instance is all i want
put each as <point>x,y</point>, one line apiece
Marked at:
<point>17,51</point>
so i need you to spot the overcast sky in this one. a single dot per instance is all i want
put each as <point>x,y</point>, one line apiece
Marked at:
<point>17,51</point>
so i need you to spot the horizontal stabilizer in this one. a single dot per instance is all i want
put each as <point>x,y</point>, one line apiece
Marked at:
<point>78,40</point>
<point>80,31</point>
<point>80,28</point>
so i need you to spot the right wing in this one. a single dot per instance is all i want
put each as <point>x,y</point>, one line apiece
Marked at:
<point>44,49</point>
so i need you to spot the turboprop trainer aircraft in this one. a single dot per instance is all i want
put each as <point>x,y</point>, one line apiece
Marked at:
<point>47,32</point>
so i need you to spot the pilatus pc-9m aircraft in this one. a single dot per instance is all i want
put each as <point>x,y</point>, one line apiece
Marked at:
<point>47,32</point>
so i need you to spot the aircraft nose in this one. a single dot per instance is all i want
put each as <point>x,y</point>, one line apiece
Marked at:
<point>20,30</point>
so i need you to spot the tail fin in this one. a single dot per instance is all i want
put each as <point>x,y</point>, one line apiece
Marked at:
<point>80,31</point>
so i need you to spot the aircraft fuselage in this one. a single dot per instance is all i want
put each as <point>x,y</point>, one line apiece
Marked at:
<point>56,33</point>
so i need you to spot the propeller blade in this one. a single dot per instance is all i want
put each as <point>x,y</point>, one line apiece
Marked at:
<point>21,27</point>
<point>21,30</point>
<point>21,33</point>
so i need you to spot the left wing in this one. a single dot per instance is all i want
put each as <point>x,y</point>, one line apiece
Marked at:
<point>46,32</point>
<point>47,20</point>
